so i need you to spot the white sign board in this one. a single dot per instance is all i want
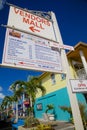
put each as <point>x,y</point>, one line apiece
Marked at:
<point>32,52</point>
<point>29,22</point>
<point>78,85</point>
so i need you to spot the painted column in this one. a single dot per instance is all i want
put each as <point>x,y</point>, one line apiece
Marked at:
<point>16,106</point>
<point>16,111</point>
<point>72,96</point>
<point>23,104</point>
<point>83,60</point>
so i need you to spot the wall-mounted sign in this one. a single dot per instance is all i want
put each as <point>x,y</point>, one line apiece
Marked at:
<point>29,22</point>
<point>30,52</point>
<point>78,85</point>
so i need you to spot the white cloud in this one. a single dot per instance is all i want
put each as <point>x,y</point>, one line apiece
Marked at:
<point>2,2</point>
<point>2,95</point>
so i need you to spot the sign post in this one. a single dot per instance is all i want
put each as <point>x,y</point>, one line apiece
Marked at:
<point>72,96</point>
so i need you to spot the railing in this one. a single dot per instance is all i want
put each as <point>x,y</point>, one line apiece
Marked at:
<point>81,74</point>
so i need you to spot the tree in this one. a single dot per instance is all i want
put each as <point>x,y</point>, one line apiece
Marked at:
<point>30,88</point>
<point>6,103</point>
<point>15,97</point>
<point>83,112</point>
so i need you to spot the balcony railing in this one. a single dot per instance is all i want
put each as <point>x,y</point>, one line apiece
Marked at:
<point>81,74</point>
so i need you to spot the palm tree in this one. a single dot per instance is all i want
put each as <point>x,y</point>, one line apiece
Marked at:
<point>6,103</point>
<point>30,88</point>
<point>15,97</point>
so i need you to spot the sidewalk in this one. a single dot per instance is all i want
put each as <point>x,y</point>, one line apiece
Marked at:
<point>63,126</point>
<point>59,125</point>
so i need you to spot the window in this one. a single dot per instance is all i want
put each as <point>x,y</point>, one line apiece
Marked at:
<point>39,106</point>
<point>63,76</point>
<point>53,78</point>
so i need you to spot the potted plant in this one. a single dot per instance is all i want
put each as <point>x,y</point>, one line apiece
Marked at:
<point>50,116</point>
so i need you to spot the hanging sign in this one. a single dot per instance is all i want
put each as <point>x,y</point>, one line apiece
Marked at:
<point>29,22</point>
<point>30,52</point>
<point>78,85</point>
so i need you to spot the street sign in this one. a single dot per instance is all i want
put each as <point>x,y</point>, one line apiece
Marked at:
<point>29,22</point>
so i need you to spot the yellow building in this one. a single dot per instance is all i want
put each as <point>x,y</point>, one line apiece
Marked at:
<point>55,84</point>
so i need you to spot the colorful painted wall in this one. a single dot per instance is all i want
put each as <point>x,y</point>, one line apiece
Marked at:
<point>57,98</point>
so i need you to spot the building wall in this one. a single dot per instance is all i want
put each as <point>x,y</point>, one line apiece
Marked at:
<point>50,87</point>
<point>57,98</point>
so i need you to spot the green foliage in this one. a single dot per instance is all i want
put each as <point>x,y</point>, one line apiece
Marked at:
<point>31,121</point>
<point>49,107</point>
<point>68,109</point>
<point>44,127</point>
<point>29,111</point>
<point>83,112</point>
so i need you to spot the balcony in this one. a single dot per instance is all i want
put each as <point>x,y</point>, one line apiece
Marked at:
<point>81,74</point>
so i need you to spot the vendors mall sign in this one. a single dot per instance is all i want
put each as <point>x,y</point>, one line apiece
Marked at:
<point>26,21</point>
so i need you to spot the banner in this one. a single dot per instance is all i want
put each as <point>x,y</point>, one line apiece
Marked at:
<point>30,52</point>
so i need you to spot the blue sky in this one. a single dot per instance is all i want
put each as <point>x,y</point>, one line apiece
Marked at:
<point>72,21</point>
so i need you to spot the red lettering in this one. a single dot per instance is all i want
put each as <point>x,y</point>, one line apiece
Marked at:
<point>16,10</point>
<point>21,13</point>
<point>32,23</point>
<point>34,19</point>
<point>27,15</point>
<point>39,25</point>
<point>26,20</point>
<point>38,19</point>
<point>81,85</point>
<point>46,22</point>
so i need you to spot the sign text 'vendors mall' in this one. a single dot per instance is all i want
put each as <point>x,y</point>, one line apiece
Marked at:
<point>32,20</point>
<point>29,22</point>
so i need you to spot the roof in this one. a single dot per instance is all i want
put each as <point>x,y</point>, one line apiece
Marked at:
<point>75,54</point>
